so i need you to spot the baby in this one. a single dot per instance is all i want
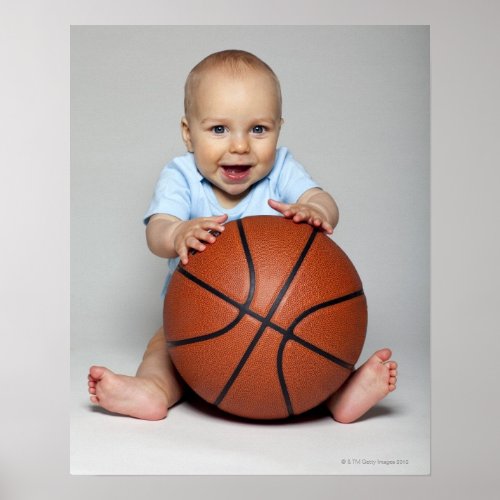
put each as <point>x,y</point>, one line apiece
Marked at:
<point>232,169</point>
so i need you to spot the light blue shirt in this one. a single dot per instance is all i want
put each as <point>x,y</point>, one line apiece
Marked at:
<point>183,192</point>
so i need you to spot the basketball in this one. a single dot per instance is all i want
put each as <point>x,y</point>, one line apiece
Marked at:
<point>268,321</point>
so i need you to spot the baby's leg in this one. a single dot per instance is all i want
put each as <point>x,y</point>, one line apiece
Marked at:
<point>155,388</point>
<point>364,388</point>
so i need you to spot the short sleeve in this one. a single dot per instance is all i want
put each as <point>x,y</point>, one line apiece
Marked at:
<point>293,180</point>
<point>172,194</point>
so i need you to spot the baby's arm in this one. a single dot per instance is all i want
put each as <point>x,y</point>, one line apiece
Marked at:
<point>315,206</point>
<point>169,237</point>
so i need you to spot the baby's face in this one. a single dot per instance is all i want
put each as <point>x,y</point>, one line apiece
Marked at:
<point>233,130</point>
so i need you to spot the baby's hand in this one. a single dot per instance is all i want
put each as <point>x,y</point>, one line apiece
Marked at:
<point>195,233</point>
<point>303,212</point>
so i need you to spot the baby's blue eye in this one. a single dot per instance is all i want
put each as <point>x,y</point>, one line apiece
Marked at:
<point>218,129</point>
<point>258,129</point>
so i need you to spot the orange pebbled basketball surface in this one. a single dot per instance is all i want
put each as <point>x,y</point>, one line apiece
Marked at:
<point>268,321</point>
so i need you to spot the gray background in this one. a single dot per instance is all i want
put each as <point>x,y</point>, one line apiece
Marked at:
<point>35,268</point>
<point>356,110</point>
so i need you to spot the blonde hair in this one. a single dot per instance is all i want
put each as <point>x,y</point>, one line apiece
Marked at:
<point>236,62</point>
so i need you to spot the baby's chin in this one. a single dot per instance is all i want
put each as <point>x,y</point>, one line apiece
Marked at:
<point>230,196</point>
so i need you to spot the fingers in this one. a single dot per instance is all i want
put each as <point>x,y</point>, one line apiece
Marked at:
<point>327,227</point>
<point>196,233</point>
<point>296,212</point>
<point>283,208</point>
<point>219,218</point>
<point>274,203</point>
<point>302,213</point>
<point>193,243</point>
<point>183,254</point>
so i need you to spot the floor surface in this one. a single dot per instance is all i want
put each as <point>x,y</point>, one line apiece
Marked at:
<point>198,439</point>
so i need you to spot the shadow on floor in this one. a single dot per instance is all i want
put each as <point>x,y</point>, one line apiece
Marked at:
<point>200,406</point>
<point>318,413</point>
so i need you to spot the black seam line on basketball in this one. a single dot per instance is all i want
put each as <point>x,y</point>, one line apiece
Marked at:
<point>328,303</point>
<point>251,291</point>
<point>211,289</point>
<point>289,335</point>
<point>207,336</point>
<point>248,257</point>
<point>322,353</point>
<point>290,331</point>
<point>243,309</point>
<point>266,321</point>
<point>281,376</point>
<point>240,365</point>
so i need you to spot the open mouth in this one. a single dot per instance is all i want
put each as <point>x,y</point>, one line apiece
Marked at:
<point>236,172</point>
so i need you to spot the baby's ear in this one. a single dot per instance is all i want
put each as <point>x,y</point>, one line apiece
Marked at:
<point>186,134</point>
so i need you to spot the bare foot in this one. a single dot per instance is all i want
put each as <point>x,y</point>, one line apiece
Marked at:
<point>364,388</point>
<point>138,397</point>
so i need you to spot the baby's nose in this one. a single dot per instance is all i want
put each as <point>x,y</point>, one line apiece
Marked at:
<point>239,144</point>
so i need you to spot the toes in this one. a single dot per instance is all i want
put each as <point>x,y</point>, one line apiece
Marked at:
<point>392,387</point>
<point>392,381</point>
<point>96,372</point>
<point>383,354</point>
<point>94,399</point>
